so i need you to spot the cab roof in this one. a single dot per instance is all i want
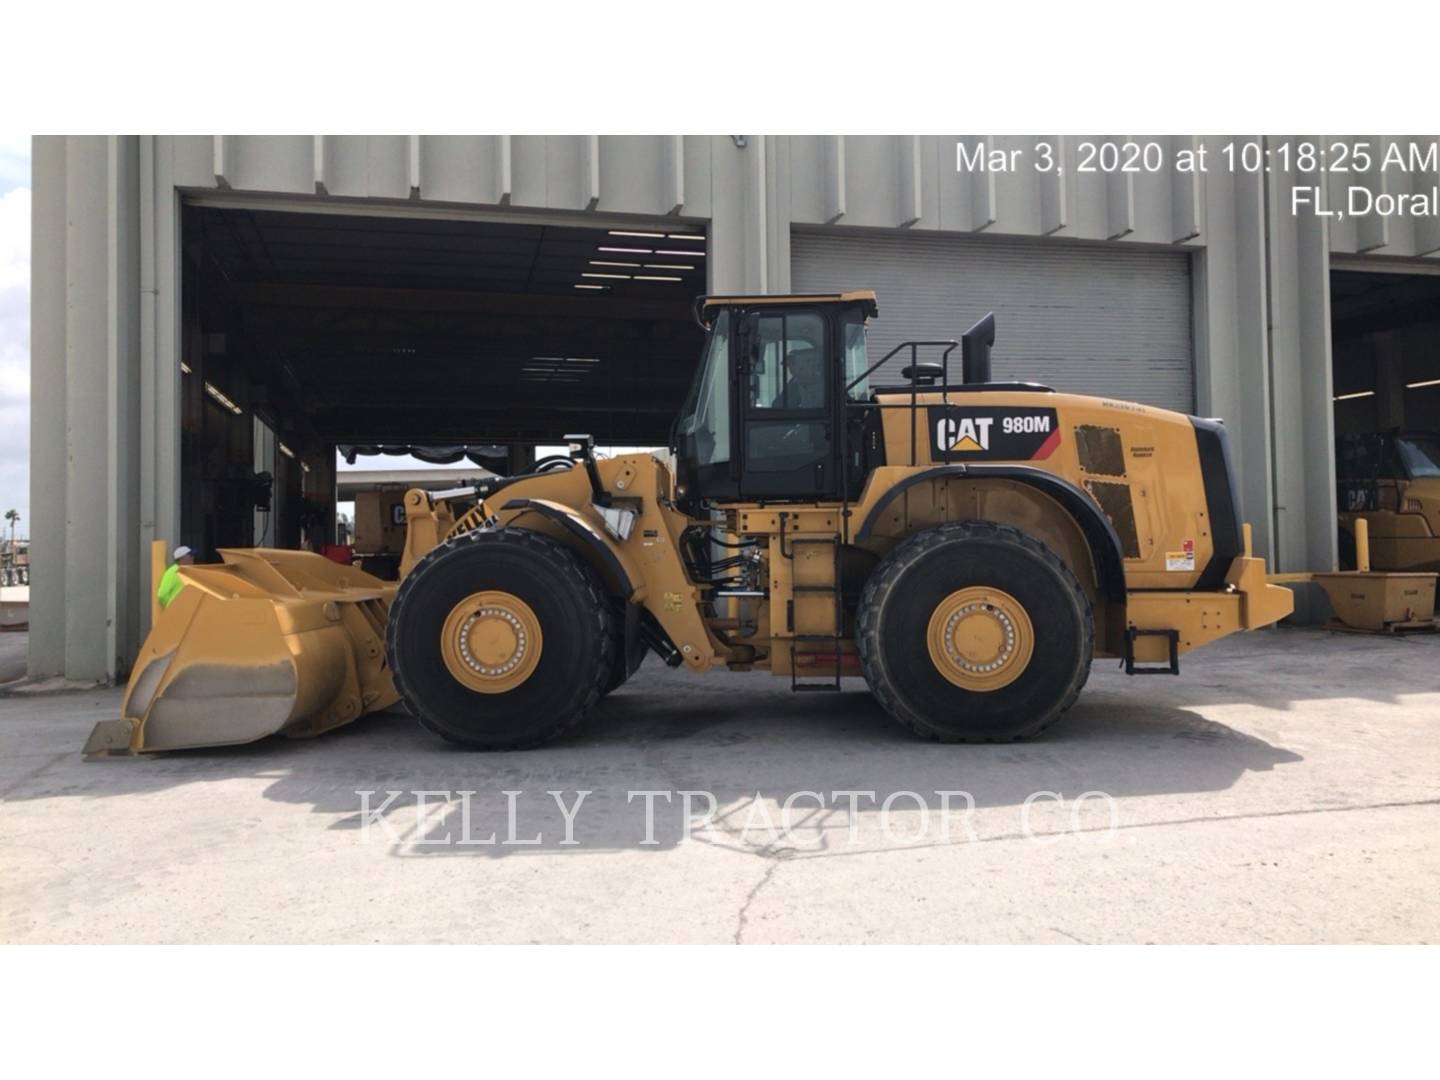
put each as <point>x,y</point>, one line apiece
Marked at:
<point>853,296</point>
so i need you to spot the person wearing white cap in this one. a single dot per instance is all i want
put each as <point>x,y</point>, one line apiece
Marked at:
<point>171,582</point>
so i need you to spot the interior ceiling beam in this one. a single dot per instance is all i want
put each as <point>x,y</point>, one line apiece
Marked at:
<point>394,381</point>
<point>399,320</point>
<point>317,328</point>
<point>1423,311</point>
<point>474,368</point>
<point>359,416</point>
<point>1355,295</point>
<point>412,382</point>
<point>477,429</point>
<point>397,354</point>
<point>573,397</point>
<point>373,299</point>
<point>329,414</point>
<point>393,385</point>
<point>475,422</point>
<point>431,373</point>
<point>496,343</point>
<point>580,395</point>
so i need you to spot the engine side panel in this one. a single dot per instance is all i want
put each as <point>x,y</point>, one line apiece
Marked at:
<point>1141,466</point>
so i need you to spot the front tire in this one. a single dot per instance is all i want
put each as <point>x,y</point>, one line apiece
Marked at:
<point>626,660</point>
<point>975,632</point>
<point>500,639</point>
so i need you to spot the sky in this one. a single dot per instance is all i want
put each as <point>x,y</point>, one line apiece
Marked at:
<point>15,328</point>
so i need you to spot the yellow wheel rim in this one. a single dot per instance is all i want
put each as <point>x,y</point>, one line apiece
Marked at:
<point>980,638</point>
<point>491,642</point>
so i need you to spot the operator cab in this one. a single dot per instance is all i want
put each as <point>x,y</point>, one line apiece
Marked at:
<point>765,418</point>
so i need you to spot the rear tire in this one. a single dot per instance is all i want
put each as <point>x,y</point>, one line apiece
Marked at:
<point>540,602</point>
<point>1029,647</point>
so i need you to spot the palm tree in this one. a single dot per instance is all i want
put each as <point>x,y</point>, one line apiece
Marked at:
<point>11,573</point>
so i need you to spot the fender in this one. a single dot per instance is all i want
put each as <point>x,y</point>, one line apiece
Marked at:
<point>1217,472</point>
<point>1099,533</point>
<point>612,565</point>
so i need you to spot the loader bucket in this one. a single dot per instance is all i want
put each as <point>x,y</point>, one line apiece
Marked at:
<point>270,641</point>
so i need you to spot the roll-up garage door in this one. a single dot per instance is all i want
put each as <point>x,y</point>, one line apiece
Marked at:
<point>1109,321</point>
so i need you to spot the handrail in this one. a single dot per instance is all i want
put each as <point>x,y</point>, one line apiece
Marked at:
<point>949,346</point>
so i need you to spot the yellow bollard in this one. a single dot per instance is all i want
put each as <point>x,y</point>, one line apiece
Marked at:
<point>1362,545</point>
<point>1245,532</point>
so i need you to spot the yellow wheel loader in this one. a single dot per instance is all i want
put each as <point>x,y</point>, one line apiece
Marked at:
<point>968,547</point>
<point>1391,481</point>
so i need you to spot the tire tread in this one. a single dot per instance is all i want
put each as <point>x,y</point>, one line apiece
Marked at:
<point>911,551</point>
<point>581,577</point>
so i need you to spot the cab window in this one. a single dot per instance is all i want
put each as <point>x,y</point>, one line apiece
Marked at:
<point>852,337</point>
<point>1391,466</point>
<point>705,417</point>
<point>1419,456</point>
<point>787,367</point>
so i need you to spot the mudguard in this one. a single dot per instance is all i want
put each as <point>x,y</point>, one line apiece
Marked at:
<point>602,552</point>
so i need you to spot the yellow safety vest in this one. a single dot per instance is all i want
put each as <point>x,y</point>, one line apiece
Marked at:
<point>170,585</point>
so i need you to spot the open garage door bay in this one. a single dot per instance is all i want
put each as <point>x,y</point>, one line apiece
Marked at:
<point>325,330</point>
<point>1082,319</point>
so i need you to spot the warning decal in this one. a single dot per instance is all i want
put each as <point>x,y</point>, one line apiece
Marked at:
<point>1000,433</point>
<point>1182,560</point>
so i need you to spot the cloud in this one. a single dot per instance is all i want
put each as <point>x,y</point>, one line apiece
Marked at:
<point>14,162</point>
<point>15,345</point>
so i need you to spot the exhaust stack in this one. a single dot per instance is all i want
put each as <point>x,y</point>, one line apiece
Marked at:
<point>975,349</point>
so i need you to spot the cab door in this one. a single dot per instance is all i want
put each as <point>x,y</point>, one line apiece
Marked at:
<point>787,394</point>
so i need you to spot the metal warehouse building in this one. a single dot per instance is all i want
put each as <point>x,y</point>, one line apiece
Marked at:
<point>206,308</point>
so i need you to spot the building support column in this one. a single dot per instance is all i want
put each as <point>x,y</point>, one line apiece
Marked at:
<point>1388,350</point>
<point>88,531</point>
<point>124,595</point>
<point>750,220</point>
<point>1232,351</point>
<point>87,606</point>
<point>48,442</point>
<point>1301,386</point>
<point>158,300</point>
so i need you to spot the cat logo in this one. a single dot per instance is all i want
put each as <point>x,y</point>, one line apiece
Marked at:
<point>996,433</point>
<point>969,433</point>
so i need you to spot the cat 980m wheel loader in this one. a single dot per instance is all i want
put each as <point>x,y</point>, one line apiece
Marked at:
<point>967,547</point>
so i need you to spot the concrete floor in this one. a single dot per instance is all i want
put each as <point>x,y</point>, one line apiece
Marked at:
<point>13,646</point>
<point>1286,788</point>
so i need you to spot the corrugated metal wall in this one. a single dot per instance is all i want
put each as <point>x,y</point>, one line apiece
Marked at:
<point>1106,321</point>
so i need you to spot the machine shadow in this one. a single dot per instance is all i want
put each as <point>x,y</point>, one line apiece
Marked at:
<point>734,737</point>
<point>672,736</point>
